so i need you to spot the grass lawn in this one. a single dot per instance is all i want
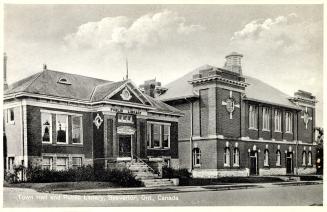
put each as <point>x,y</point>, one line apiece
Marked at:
<point>63,186</point>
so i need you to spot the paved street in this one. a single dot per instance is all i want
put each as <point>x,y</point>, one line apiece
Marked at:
<point>268,196</point>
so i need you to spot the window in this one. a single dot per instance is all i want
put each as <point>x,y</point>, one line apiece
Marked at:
<point>166,136</point>
<point>278,158</point>
<point>304,158</point>
<point>46,127</point>
<point>196,157</point>
<point>11,116</point>
<point>309,159</point>
<point>62,133</point>
<point>278,121</point>
<point>76,130</point>
<point>77,162</point>
<point>265,118</point>
<point>11,162</point>
<point>158,135</point>
<point>124,118</point>
<point>288,122</point>
<point>253,118</point>
<point>236,157</point>
<point>47,163</point>
<point>266,159</point>
<point>62,163</point>
<point>227,157</point>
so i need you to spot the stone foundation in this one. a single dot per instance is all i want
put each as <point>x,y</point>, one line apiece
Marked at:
<point>174,163</point>
<point>272,171</point>
<point>307,170</point>
<point>214,173</point>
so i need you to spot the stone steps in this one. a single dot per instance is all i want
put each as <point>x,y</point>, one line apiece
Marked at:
<point>158,182</point>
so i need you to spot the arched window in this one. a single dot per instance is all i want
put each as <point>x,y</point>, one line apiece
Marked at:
<point>309,159</point>
<point>227,157</point>
<point>304,158</point>
<point>266,159</point>
<point>236,157</point>
<point>278,158</point>
<point>196,157</point>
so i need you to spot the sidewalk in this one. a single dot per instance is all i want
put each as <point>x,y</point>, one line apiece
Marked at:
<point>181,189</point>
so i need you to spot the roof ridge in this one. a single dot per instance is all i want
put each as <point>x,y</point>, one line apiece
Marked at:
<point>78,75</point>
<point>33,80</point>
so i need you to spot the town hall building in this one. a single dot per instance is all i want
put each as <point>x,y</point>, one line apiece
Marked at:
<point>237,125</point>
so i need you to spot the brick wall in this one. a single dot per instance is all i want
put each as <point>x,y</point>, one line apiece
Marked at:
<point>184,154</point>
<point>184,129</point>
<point>306,134</point>
<point>204,112</point>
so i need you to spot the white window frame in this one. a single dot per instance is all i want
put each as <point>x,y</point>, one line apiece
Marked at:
<point>278,121</point>
<point>50,128</point>
<point>278,158</point>
<point>288,122</point>
<point>74,165</point>
<point>9,121</point>
<point>226,157</point>
<point>266,158</point>
<point>304,158</point>
<point>161,131</point>
<point>309,158</point>
<point>265,119</point>
<point>50,162</point>
<point>195,156</point>
<point>236,157</point>
<point>66,162</point>
<point>57,128</point>
<point>163,135</point>
<point>160,136</point>
<point>81,129</point>
<point>253,119</point>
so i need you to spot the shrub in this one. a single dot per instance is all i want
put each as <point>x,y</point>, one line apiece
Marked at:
<point>183,175</point>
<point>167,172</point>
<point>123,177</point>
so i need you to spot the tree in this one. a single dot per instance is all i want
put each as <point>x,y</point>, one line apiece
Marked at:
<point>320,150</point>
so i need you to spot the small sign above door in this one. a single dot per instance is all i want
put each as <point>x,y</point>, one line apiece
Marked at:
<point>125,130</point>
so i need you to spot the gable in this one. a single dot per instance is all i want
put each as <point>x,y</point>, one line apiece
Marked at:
<point>125,94</point>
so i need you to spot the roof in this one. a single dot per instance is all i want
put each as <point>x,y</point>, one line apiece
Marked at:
<point>257,90</point>
<point>76,87</point>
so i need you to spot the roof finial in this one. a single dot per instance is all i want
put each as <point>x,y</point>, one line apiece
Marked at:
<point>126,68</point>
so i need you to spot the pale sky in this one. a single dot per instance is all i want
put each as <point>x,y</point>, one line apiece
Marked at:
<point>282,44</point>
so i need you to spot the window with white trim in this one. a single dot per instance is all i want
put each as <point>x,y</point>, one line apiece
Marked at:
<point>46,120</point>
<point>62,163</point>
<point>125,118</point>
<point>196,157</point>
<point>309,159</point>
<point>265,118</point>
<point>304,158</point>
<point>253,117</point>
<point>236,157</point>
<point>278,158</point>
<point>227,157</point>
<point>76,162</point>
<point>278,121</point>
<point>11,116</point>
<point>61,128</point>
<point>77,132</point>
<point>288,122</point>
<point>266,158</point>
<point>47,162</point>
<point>158,135</point>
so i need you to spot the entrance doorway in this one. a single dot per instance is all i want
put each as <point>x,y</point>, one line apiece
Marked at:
<point>125,146</point>
<point>289,163</point>
<point>253,163</point>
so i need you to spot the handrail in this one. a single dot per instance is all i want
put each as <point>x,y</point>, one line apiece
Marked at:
<point>146,164</point>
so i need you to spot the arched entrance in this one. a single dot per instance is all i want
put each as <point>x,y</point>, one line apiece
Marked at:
<point>253,162</point>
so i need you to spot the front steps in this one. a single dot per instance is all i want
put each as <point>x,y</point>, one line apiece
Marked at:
<point>144,173</point>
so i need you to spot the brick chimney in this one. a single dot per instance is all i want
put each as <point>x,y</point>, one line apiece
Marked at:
<point>234,62</point>
<point>152,88</point>
<point>5,84</point>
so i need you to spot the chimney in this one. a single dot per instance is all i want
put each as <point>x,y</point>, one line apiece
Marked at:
<point>234,62</point>
<point>152,88</point>
<point>5,84</point>
<point>44,67</point>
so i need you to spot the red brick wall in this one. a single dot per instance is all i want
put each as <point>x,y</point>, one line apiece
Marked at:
<point>204,112</point>
<point>226,126</point>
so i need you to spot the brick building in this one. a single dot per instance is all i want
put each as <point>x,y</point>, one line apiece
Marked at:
<point>59,120</point>
<point>236,125</point>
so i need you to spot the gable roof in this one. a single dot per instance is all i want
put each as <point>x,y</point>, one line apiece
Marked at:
<point>77,87</point>
<point>257,90</point>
